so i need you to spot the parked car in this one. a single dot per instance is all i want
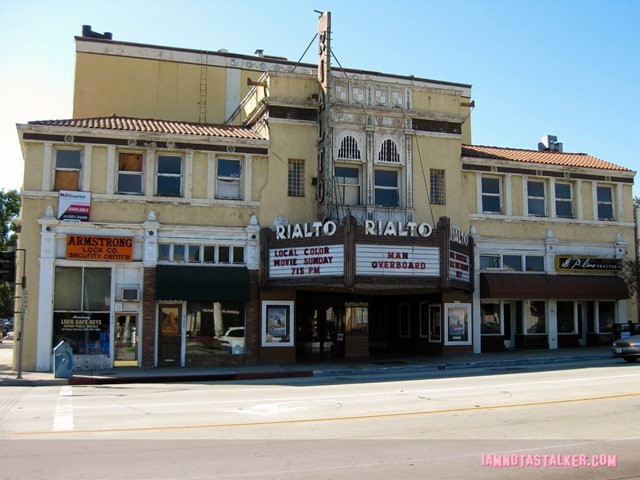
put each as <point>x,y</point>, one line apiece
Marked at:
<point>233,336</point>
<point>6,325</point>
<point>627,348</point>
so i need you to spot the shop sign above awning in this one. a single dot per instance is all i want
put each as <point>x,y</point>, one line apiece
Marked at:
<point>560,287</point>
<point>202,283</point>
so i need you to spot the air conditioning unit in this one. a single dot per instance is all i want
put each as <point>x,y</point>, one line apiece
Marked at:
<point>130,294</point>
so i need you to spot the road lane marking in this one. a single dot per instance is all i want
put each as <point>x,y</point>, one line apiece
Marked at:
<point>63,417</point>
<point>474,408</point>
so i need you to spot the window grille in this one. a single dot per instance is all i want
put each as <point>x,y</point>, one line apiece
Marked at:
<point>389,152</point>
<point>437,187</point>
<point>349,149</point>
<point>296,178</point>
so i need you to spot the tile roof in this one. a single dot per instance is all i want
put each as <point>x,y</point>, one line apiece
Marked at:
<point>544,157</point>
<point>150,125</point>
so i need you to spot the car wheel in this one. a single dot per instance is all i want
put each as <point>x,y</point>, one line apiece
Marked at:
<point>630,359</point>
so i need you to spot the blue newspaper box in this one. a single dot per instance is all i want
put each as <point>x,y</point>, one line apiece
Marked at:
<point>63,360</point>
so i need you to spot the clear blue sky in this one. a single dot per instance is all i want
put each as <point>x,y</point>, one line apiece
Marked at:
<point>568,68</point>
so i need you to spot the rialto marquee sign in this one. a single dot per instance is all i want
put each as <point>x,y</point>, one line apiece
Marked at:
<point>323,250</point>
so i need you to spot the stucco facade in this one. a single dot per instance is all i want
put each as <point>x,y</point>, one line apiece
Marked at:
<point>270,211</point>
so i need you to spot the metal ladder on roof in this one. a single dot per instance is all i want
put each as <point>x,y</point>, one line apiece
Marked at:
<point>203,87</point>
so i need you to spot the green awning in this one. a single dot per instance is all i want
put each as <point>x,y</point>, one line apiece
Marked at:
<point>202,283</point>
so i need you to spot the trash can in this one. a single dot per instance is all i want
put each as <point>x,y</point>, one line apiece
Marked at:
<point>63,360</point>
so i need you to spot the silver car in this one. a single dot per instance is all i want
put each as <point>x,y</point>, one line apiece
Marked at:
<point>627,348</point>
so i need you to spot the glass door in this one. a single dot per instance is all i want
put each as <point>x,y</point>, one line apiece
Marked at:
<point>508,309</point>
<point>126,341</point>
<point>169,335</point>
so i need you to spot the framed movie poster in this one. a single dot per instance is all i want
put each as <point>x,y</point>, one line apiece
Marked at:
<point>458,329</point>
<point>277,324</point>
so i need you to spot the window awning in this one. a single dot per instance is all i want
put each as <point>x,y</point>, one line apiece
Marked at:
<point>202,283</point>
<point>560,287</point>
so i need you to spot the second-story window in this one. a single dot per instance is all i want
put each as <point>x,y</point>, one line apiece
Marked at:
<point>130,173</point>
<point>387,188</point>
<point>536,203</point>
<point>386,179</point>
<point>169,176</point>
<point>68,165</point>
<point>491,195</point>
<point>436,183</point>
<point>228,178</point>
<point>605,203</point>
<point>347,185</point>
<point>295,181</point>
<point>564,200</point>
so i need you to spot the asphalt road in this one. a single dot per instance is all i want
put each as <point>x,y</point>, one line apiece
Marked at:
<point>561,421</point>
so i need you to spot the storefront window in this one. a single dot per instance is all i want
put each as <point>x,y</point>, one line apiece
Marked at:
<point>82,302</point>
<point>566,321</point>
<point>489,261</point>
<point>606,316</point>
<point>512,262</point>
<point>215,328</point>
<point>491,324</point>
<point>535,318</point>
<point>535,263</point>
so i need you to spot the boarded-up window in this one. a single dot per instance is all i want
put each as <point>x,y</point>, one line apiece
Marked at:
<point>68,164</point>
<point>130,173</point>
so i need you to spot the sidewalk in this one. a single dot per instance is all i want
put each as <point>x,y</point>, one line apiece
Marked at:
<point>343,367</point>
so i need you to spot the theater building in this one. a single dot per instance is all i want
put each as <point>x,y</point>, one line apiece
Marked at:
<point>207,208</point>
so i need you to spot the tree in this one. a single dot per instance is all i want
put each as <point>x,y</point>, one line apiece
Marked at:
<point>9,210</point>
<point>630,273</point>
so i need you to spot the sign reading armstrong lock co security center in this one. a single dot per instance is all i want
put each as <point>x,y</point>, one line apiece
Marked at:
<point>90,247</point>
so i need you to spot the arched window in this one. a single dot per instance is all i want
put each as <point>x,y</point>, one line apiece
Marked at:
<point>388,152</point>
<point>349,149</point>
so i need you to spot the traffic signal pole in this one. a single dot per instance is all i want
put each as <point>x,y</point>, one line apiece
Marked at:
<point>23,304</point>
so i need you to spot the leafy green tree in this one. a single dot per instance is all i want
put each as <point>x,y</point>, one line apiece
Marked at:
<point>630,272</point>
<point>9,210</point>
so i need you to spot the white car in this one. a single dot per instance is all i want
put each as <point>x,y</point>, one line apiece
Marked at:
<point>233,336</point>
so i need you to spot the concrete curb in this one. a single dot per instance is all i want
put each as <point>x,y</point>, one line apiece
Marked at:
<point>454,366</point>
<point>236,376</point>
